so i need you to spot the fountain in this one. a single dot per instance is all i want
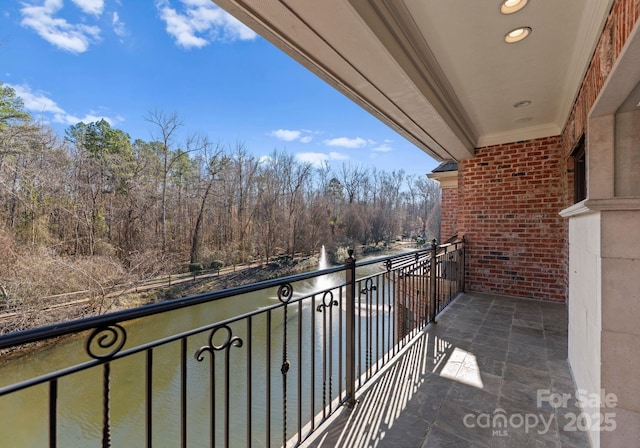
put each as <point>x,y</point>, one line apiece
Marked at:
<point>323,263</point>
<point>323,281</point>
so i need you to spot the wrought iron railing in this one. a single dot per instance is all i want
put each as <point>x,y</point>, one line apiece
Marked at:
<point>258,365</point>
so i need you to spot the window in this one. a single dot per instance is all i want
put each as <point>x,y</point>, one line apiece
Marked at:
<point>579,171</point>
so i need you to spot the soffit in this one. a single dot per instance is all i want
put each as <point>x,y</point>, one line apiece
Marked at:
<point>490,76</point>
<point>438,72</point>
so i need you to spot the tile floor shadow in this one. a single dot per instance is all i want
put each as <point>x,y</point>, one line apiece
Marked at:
<point>478,378</point>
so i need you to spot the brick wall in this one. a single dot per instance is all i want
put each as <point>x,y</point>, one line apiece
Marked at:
<point>509,199</point>
<point>510,195</point>
<point>620,22</point>
<point>449,214</point>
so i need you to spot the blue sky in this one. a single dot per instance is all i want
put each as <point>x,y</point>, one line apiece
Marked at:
<point>82,60</point>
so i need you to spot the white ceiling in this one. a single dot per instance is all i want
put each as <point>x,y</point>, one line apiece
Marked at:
<point>439,71</point>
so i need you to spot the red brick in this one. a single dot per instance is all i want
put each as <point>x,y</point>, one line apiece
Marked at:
<point>536,183</point>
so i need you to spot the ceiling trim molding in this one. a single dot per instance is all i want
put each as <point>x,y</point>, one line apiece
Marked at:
<point>406,43</point>
<point>583,52</point>
<point>530,133</point>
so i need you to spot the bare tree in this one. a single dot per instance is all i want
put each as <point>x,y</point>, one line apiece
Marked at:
<point>352,177</point>
<point>95,209</point>
<point>245,168</point>
<point>167,125</point>
<point>212,161</point>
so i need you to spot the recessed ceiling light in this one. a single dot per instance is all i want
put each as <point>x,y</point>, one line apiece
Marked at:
<point>523,103</point>
<point>511,6</point>
<point>517,34</point>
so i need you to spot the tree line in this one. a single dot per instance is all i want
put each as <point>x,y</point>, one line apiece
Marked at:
<point>95,196</point>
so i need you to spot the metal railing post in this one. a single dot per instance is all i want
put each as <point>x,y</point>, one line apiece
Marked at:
<point>432,281</point>
<point>351,331</point>
<point>464,262</point>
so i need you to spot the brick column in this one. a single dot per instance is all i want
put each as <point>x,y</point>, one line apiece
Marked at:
<point>448,181</point>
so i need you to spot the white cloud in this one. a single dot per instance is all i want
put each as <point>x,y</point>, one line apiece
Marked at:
<point>74,38</point>
<point>118,26</point>
<point>181,28</point>
<point>338,156</point>
<point>88,118</point>
<point>36,102</point>
<point>94,7</point>
<point>39,103</point>
<point>346,142</point>
<point>382,148</point>
<point>200,23</point>
<point>286,135</point>
<point>314,158</point>
<point>317,158</point>
<point>291,135</point>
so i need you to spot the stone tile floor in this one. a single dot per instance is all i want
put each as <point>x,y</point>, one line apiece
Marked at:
<point>481,377</point>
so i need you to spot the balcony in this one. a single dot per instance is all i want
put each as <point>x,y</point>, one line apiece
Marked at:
<point>491,373</point>
<point>345,356</point>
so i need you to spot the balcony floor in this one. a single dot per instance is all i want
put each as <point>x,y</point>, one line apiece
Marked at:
<point>487,355</point>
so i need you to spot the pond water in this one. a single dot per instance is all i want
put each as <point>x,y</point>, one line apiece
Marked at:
<point>312,348</point>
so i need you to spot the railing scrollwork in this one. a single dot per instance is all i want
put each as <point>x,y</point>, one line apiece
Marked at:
<point>327,301</point>
<point>285,294</point>
<point>226,344</point>
<point>368,286</point>
<point>104,342</point>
